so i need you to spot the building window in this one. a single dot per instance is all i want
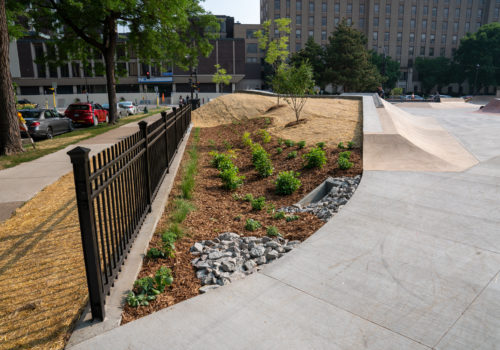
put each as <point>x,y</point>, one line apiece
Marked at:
<point>478,25</point>
<point>64,70</point>
<point>398,50</point>
<point>336,21</point>
<point>468,13</point>
<point>455,27</point>
<point>424,25</point>
<point>375,22</point>
<point>457,2</point>
<point>30,90</point>
<point>337,7</point>
<point>422,50</point>
<point>362,9</point>
<point>375,36</point>
<point>276,33</point>
<point>376,8</point>
<point>401,10</point>
<point>323,21</point>
<point>443,39</point>
<point>288,4</point>
<point>349,21</point>
<point>298,47</point>
<point>432,38</point>
<point>445,27</point>
<point>323,7</point>
<point>298,34</point>
<point>387,23</point>
<point>349,8</point>
<point>454,39</point>
<point>75,69</point>
<point>311,34</point>
<point>412,24</point>
<point>442,51</point>
<point>250,33</point>
<point>386,36</point>
<point>411,51</point>
<point>434,11</point>
<point>298,20</point>
<point>423,37</point>
<point>298,5</point>
<point>414,10</point>
<point>323,35</point>
<point>277,4</point>
<point>252,60</point>
<point>445,12</point>
<point>496,13</point>
<point>433,25</point>
<point>457,13</point>
<point>311,20</point>
<point>400,36</point>
<point>412,37</point>
<point>425,10</point>
<point>388,9</point>
<point>277,16</point>
<point>311,6</point>
<point>251,48</point>
<point>467,27</point>
<point>479,13</point>
<point>361,23</point>
<point>400,23</point>
<point>431,51</point>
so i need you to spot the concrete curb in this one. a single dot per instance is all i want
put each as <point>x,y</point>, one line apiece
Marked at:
<point>85,328</point>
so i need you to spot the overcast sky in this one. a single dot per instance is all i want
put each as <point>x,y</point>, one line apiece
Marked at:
<point>243,11</point>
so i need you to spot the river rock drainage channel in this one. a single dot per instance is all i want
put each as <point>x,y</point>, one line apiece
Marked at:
<point>230,257</point>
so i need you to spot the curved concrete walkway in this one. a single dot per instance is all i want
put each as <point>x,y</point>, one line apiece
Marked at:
<point>412,262</point>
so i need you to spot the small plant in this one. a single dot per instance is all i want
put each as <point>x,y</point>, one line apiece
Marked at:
<point>212,144</point>
<point>236,197</point>
<point>247,141</point>
<point>230,178</point>
<point>291,155</point>
<point>341,145</point>
<point>168,238</point>
<point>292,218</point>
<point>267,121</point>
<point>155,253</point>
<point>272,231</point>
<point>252,225</point>
<point>289,143</point>
<point>315,158</point>
<point>261,161</point>
<point>182,209</point>
<point>321,145</point>
<point>163,278</point>
<point>248,197</point>
<point>258,203</point>
<point>264,135</point>
<point>287,182</point>
<point>280,141</point>
<point>279,215</point>
<point>270,208</point>
<point>345,154</point>
<point>350,145</point>
<point>344,163</point>
<point>139,300</point>
<point>227,145</point>
<point>148,288</point>
<point>220,159</point>
<point>301,144</point>
<point>279,150</point>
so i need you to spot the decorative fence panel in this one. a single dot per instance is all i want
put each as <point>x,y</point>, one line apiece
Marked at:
<point>114,192</point>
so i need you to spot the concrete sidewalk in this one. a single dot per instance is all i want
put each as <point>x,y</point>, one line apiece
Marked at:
<point>411,262</point>
<point>22,182</point>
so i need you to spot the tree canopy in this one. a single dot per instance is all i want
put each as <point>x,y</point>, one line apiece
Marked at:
<point>433,72</point>
<point>221,77</point>
<point>297,83</point>
<point>388,68</point>
<point>315,55</point>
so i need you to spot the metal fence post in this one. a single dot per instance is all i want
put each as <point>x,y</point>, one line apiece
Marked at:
<point>81,171</point>
<point>164,118</point>
<point>143,126</point>
<point>175,126</point>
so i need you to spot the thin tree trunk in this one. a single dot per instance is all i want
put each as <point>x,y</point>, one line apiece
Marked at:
<point>109,59</point>
<point>10,136</point>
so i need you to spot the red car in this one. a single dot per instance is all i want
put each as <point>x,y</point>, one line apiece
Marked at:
<point>86,113</point>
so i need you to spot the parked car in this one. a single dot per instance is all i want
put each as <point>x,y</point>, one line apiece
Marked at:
<point>122,112</point>
<point>86,113</point>
<point>129,106</point>
<point>414,97</point>
<point>45,123</point>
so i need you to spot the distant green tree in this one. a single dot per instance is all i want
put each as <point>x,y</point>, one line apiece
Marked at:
<point>433,72</point>
<point>276,49</point>
<point>298,82</point>
<point>478,57</point>
<point>315,55</point>
<point>159,31</point>
<point>388,68</point>
<point>348,61</point>
<point>221,77</point>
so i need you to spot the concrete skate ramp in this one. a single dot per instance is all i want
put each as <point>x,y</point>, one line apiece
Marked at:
<point>492,107</point>
<point>410,143</point>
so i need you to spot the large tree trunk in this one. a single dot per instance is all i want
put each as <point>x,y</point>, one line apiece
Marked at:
<point>10,137</point>
<point>109,59</point>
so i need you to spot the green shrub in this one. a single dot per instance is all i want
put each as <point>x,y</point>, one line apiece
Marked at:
<point>230,178</point>
<point>227,145</point>
<point>272,231</point>
<point>182,209</point>
<point>315,158</point>
<point>287,182</point>
<point>264,135</point>
<point>219,159</point>
<point>163,278</point>
<point>155,253</point>
<point>301,144</point>
<point>247,141</point>
<point>148,288</point>
<point>168,238</point>
<point>252,225</point>
<point>279,150</point>
<point>341,145</point>
<point>291,155</point>
<point>280,141</point>
<point>258,203</point>
<point>321,145</point>
<point>350,145</point>
<point>268,121</point>
<point>261,161</point>
<point>248,197</point>
<point>289,143</point>
<point>344,163</point>
<point>279,215</point>
<point>292,218</point>
<point>345,154</point>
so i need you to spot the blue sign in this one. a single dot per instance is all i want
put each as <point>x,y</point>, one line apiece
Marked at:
<point>166,74</point>
<point>144,80</point>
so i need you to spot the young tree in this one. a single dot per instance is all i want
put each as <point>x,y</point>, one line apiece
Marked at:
<point>315,55</point>
<point>388,68</point>
<point>10,137</point>
<point>298,83</point>
<point>221,77</point>
<point>478,56</point>
<point>348,61</point>
<point>276,49</point>
<point>160,30</point>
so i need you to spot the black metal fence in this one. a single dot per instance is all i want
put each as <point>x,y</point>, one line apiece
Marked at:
<point>114,193</point>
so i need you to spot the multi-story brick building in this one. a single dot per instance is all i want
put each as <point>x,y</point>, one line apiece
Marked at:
<point>403,30</point>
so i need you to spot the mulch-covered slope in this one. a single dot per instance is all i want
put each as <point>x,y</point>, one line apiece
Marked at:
<point>218,211</point>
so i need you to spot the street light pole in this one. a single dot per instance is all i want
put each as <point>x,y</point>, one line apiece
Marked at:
<point>475,80</point>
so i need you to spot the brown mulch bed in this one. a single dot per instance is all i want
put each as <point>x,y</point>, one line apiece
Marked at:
<point>217,211</point>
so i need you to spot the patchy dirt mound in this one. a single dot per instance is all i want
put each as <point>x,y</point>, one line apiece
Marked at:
<point>492,107</point>
<point>327,120</point>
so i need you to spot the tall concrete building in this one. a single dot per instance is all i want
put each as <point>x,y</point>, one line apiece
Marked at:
<point>403,30</point>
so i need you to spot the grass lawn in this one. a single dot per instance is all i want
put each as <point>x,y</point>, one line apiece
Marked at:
<point>61,141</point>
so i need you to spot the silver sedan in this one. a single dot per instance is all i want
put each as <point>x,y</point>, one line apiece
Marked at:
<point>45,123</point>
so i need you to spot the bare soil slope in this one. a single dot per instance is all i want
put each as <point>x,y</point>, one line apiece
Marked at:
<point>327,120</point>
